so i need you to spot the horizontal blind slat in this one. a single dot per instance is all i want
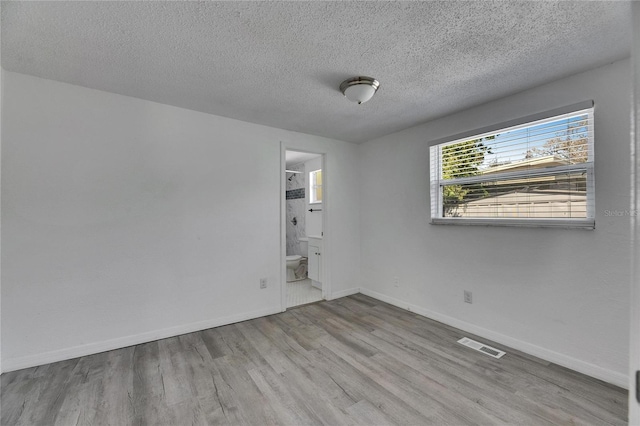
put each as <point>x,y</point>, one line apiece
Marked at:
<point>541,169</point>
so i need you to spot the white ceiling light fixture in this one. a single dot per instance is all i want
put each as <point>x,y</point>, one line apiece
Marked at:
<point>359,89</point>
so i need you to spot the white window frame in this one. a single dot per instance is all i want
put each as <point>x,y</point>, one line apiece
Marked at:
<point>438,183</point>
<point>313,186</point>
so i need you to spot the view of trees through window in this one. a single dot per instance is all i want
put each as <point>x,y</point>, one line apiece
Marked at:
<point>462,159</point>
<point>506,155</point>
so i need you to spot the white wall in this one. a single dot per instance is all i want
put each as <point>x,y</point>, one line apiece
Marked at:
<point>1,100</point>
<point>559,294</point>
<point>126,220</point>
<point>634,336</point>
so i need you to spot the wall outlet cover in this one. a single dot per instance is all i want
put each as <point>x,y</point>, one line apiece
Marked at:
<point>263,283</point>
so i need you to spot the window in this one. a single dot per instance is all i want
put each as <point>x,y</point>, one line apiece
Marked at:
<point>538,172</point>
<point>315,187</point>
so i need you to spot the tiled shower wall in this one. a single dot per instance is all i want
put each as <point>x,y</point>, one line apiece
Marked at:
<point>296,203</point>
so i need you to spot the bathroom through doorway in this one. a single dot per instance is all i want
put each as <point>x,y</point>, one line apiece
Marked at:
<point>303,217</point>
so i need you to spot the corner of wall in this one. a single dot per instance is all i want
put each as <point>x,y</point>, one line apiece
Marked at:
<point>634,350</point>
<point>1,97</point>
<point>344,293</point>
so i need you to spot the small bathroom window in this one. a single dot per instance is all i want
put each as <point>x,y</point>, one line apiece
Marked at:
<point>315,187</point>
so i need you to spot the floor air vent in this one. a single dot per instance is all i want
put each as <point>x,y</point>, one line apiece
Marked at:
<point>482,348</point>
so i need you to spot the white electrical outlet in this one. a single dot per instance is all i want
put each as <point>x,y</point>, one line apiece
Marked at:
<point>468,297</point>
<point>396,281</point>
<point>263,283</point>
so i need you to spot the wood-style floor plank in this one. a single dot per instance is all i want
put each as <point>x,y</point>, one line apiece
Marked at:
<point>350,361</point>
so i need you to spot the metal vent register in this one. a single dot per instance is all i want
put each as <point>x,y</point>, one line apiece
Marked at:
<point>480,347</point>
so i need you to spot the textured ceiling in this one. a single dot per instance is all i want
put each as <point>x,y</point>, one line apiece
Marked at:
<point>280,64</point>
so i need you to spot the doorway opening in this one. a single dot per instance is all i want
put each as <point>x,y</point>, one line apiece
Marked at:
<point>303,217</point>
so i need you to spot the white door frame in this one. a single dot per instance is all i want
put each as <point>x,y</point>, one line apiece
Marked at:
<point>634,337</point>
<point>326,238</point>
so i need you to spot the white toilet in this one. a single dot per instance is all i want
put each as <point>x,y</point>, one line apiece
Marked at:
<point>293,262</point>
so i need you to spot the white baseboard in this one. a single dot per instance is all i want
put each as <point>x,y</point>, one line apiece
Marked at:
<point>589,369</point>
<point>18,363</point>
<point>583,367</point>
<point>344,293</point>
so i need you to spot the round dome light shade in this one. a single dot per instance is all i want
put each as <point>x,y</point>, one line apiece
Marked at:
<point>359,89</point>
<point>359,93</point>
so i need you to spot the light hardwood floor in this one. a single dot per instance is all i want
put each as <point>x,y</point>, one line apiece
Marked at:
<point>353,361</point>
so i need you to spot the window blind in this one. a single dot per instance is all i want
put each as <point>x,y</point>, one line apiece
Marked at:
<point>534,173</point>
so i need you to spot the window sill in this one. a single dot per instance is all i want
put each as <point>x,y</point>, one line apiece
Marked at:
<point>588,224</point>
